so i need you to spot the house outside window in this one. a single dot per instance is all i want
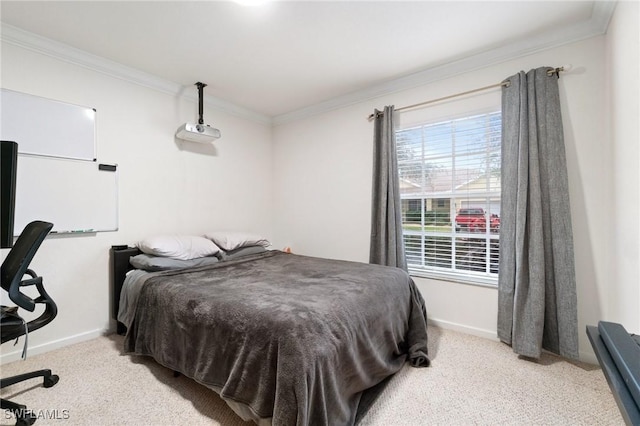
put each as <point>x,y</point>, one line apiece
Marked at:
<point>450,194</point>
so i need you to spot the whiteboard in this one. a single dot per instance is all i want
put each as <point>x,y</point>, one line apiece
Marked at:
<point>47,127</point>
<point>76,196</point>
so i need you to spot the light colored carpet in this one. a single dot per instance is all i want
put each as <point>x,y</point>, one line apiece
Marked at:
<point>472,381</point>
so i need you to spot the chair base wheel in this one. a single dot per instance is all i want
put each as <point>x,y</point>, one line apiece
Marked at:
<point>51,380</point>
<point>24,416</point>
<point>26,421</point>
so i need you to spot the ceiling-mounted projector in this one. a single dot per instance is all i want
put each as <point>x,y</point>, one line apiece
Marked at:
<point>197,133</point>
<point>200,132</point>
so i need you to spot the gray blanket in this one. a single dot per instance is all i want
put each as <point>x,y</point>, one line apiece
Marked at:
<point>295,339</point>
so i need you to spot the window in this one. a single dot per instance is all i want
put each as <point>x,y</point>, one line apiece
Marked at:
<point>450,191</point>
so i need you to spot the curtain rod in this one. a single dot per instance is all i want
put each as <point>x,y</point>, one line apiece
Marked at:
<point>468,92</point>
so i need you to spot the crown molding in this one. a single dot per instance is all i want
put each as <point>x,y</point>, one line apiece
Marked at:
<point>597,25</point>
<point>66,53</point>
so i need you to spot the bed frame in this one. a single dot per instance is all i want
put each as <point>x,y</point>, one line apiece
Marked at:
<point>120,265</point>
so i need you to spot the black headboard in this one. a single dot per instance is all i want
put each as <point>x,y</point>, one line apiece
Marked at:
<point>119,267</point>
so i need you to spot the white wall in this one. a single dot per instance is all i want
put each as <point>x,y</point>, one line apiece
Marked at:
<point>623,76</point>
<point>322,185</point>
<point>165,186</point>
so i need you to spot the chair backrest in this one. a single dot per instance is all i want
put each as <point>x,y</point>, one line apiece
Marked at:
<point>17,262</point>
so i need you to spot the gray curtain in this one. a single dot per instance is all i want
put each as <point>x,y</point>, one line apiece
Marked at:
<point>537,290</point>
<point>386,220</point>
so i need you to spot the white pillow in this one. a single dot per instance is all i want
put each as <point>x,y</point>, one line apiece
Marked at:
<point>231,240</point>
<point>182,247</point>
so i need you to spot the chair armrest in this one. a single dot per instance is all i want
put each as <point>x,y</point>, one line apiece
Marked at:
<point>19,297</point>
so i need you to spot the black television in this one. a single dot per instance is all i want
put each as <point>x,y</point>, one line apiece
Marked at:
<point>8,166</point>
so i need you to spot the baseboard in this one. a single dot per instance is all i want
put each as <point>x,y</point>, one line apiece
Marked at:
<point>46,347</point>
<point>487,334</point>
<point>586,356</point>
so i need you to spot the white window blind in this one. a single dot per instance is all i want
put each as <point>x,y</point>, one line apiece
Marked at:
<point>450,191</point>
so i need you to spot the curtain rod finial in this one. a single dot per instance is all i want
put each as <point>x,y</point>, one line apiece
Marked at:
<point>375,114</point>
<point>558,70</point>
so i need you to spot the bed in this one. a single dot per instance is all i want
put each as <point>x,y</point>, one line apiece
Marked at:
<point>284,339</point>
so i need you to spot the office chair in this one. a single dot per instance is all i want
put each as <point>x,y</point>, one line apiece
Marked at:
<point>12,326</point>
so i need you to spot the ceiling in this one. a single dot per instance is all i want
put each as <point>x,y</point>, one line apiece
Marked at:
<point>281,57</point>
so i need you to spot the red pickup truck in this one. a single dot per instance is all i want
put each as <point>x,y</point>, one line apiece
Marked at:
<point>474,219</point>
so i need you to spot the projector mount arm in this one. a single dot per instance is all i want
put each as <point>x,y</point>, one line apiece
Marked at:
<point>200,107</point>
